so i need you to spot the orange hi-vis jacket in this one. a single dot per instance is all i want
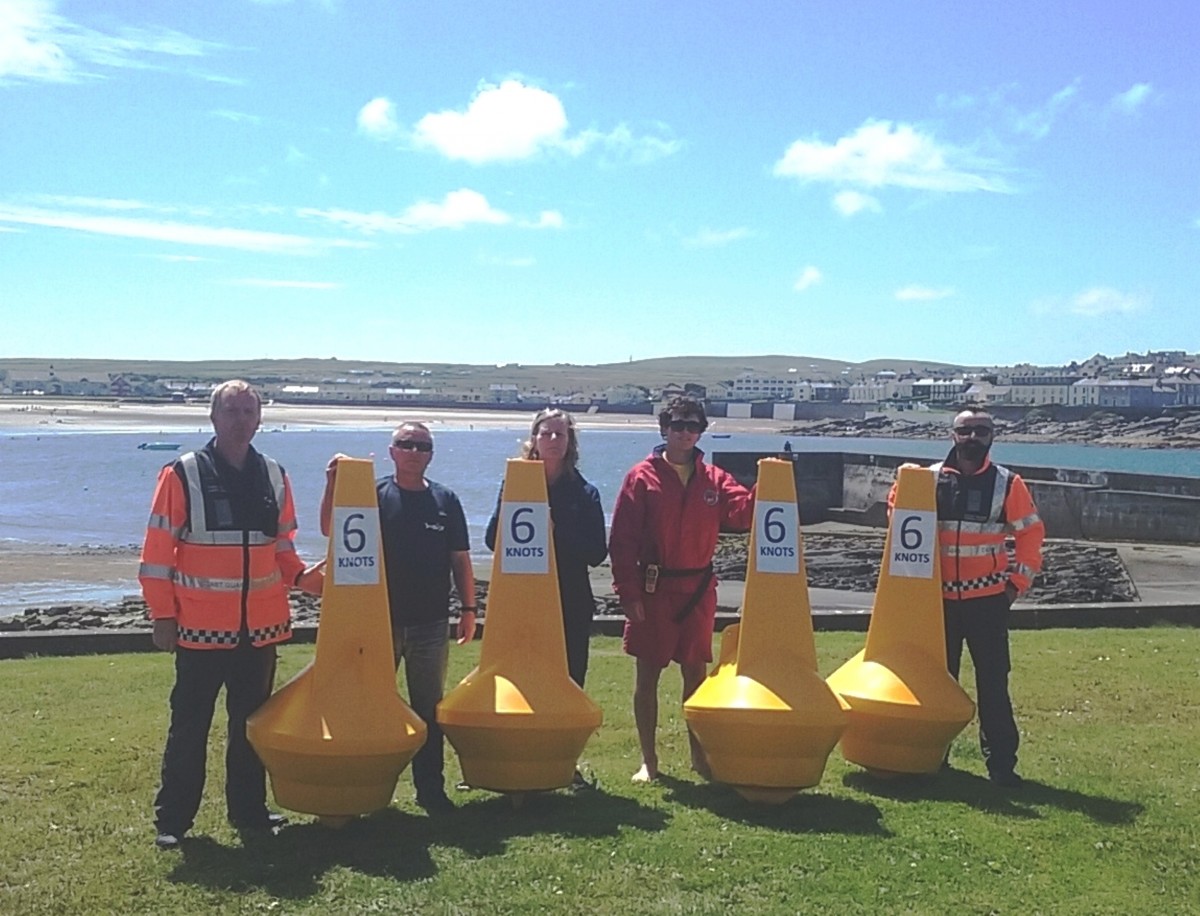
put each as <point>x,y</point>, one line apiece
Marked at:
<point>219,553</point>
<point>977,514</point>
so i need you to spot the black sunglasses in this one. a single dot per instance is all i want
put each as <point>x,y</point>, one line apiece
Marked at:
<point>692,426</point>
<point>980,432</point>
<point>409,445</point>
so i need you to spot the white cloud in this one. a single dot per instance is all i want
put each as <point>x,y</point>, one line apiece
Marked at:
<point>716,238</point>
<point>260,283</point>
<point>511,122</point>
<point>501,123</point>
<point>171,232</point>
<point>848,203</point>
<point>237,117</point>
<point>28,49</point>
<point>1037,122</point>
<point>378,118</point>
<point>913,293</point>
<point>809,277</point>
<point>38,44</point>
<point>456,210</point>
<point>547,219</point>
<point>1103,300</point>
<point>880,154</point>
<point>1132,99</point>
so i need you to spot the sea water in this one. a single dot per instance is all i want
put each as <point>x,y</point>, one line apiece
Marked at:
<point>81,489</point>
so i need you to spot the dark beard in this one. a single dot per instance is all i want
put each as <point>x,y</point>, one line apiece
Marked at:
<point>972,450</point>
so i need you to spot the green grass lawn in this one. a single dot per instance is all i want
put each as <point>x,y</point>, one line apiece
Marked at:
<point>1107,822</point>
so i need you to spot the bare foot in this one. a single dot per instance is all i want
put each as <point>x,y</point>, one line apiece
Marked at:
<point>645,773</point>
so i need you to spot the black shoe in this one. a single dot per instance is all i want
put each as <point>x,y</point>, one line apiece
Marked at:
<point>167,841</point>
<point>272,823</point>
<point>579,783</point>
<point>1006,779</point>
<point>436,803</point>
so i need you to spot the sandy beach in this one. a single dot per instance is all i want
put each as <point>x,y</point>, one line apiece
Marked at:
<point>66,414</point>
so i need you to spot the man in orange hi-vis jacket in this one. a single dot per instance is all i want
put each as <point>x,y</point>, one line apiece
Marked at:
<point>980,506</point>
<point>217,562</point>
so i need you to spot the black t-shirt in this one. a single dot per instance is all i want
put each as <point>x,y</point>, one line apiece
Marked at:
<point>421,528</point>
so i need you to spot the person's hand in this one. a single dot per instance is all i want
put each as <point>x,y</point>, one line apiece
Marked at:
<point>312,580</point>
<point>632,607</point>
<point>166,634</point>
<point>466,627</point>
<point>331,467</point>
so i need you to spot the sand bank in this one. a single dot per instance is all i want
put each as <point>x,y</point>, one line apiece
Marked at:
<point>64,415</point>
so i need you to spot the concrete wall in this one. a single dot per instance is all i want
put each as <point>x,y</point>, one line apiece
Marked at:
<point>1075,504</point>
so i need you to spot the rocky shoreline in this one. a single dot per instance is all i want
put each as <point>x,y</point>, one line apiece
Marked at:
<point>1100,428</point>
<point>1074,573</point>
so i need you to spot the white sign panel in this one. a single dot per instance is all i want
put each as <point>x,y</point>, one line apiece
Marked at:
<point>355,535</point>
<point>525,538</point>
<point>776,537</point>
<point>913,543</point>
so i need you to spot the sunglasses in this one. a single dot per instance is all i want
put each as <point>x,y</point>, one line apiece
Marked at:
<point>410,445</point>
<point>692,426</point>
<point>980,432</point>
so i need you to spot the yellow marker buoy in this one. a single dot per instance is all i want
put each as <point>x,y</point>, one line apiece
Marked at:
<point>903,705</point>
<point>765,719</point>
<point>517,721</point>
<point>336,737</point>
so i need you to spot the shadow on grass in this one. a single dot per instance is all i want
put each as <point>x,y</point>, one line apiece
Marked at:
<point>395,844</point>
<point>953,785</point>
<point>804,813</point>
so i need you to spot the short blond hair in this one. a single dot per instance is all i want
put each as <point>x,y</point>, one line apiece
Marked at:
<point>233,386</point>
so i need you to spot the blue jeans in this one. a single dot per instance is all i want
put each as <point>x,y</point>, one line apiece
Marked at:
<point>425,650</point>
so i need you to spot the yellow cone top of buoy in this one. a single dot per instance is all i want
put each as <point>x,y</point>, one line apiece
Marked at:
<point>904,706</point>
<point>336,737</point>
<point>517,721</point>
<point>765,719</point>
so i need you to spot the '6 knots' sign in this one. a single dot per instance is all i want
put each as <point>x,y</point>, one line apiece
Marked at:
<point>914,540</point>
<point>355,545</point>
<point>525,537</point>
<point>776,539</point>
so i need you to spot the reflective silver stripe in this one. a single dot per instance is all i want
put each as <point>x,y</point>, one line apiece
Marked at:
<point>285,529</point>
<point>191,475</point>
<point>161,522</point>
<point>999,492</point>
<point>972,527</point>
<point>972,550</point>
<point>275,474</point>
<point>155,571</point>
<point>213,584</point>
<point>1032,519</point>
<point>1020,569</point>
<point>285,545</point>
<point>226,538</point>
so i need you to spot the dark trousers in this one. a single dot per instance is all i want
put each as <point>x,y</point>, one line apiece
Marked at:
<point>577,627</point>
<point>983,624</point>
<point>247,674</point>
<point>425,650</point>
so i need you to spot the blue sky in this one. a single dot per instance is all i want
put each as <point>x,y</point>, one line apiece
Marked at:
<point>538,182</point>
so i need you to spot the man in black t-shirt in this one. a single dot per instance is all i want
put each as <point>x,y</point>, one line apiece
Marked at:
<point>425,544</point>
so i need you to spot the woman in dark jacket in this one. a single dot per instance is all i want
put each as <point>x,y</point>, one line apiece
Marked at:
<point>578,523</point>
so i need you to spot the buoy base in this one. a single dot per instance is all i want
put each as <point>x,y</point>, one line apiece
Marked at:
<point>333,786</point>
<point>886,748</point>
<point>767,749</point>
<point>517,759</point>
<point>765,795</point>
<point>334,822</point>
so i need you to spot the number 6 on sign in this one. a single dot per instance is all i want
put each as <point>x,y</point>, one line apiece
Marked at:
<point>776,543</point>
<point>355,537</point>
<point>525,537</point>
<point>914,540</point>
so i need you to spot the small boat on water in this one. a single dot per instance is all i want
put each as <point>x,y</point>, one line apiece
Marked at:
<point>721,435</point>
<point>159,446</point>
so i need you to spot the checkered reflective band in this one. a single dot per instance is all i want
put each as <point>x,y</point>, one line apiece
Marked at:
<point>265,634</point>
<point>208,637</point>
<point>973,585</point>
